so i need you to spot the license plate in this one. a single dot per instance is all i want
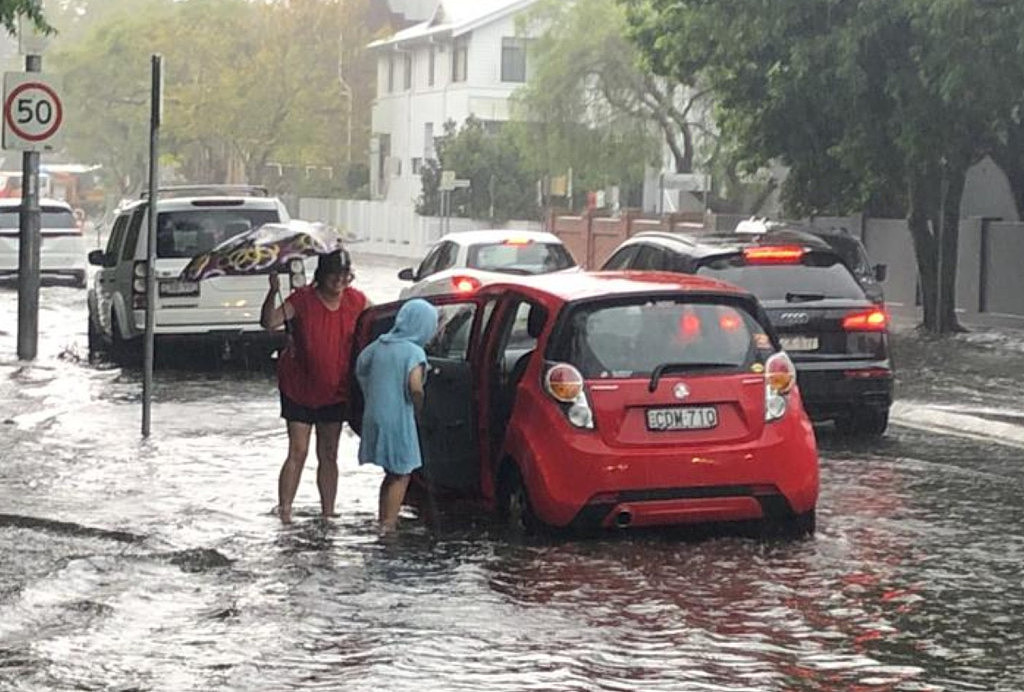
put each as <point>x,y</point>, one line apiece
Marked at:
<point>799,343</point>
<point>179,288</point>
<point>682,418</point>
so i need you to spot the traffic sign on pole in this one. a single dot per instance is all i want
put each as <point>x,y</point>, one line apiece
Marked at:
<point>33,112</point>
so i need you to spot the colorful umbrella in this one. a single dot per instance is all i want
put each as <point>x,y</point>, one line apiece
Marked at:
<point>263,250</point>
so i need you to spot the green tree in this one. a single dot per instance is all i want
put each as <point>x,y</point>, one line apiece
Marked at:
<point>10,10</point>
<point>501,187</point>
<point>869,103</point>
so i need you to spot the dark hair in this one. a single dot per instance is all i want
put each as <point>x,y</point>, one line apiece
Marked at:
<point>337,262</point>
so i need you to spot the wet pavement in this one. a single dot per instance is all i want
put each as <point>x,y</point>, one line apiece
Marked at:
<point>132,564</point>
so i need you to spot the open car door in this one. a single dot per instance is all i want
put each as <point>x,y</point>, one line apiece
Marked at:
<point>448,425</point>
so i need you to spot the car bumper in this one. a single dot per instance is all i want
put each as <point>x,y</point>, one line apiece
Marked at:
<point>833,389</point>
<point>587,483</point>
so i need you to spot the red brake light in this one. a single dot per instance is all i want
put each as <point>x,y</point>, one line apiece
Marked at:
<point>779,254</point>
<point>873,320</point>
<point>730,321</point>
<point>689,326</point>
<point>563,382</point>
<point>465,284</point>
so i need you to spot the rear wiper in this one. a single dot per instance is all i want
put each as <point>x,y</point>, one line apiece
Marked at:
<point>666,368</point>
<point>801,297</point>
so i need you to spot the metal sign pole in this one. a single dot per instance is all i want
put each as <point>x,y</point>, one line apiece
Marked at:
<point>28,245</point>
<point>154,174</point>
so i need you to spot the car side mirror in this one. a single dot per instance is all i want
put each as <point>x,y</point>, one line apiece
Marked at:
<point>406,274</point>
<point>98,258</point>
<point>881,271</point>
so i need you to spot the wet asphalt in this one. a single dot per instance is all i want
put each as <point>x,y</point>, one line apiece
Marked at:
<point>131,564</point>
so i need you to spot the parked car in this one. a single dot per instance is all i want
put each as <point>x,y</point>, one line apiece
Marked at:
<point>190,220</point>
<point>837,336</point>
<point>848,246</point>
<point>62,249</point>
<point>467,260</point>
<point>613,400</point>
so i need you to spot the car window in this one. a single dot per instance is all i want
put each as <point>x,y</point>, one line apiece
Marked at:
<point>650,258</point>
<point>622,259</point>
<point>132,237</point>
<point>50,218</point>
<point>446,256</point>
<point>116,236</point>
<point>821,274</point>
<point>521,328</point>
<point>188,232</point>
<point>455,324</point>
<point>852,252</point>
<point>632,340</point>
<point>519,257</point>
<point>429,264</point>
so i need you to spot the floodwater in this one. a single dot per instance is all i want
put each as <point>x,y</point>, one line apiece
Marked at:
<point>132,564</point>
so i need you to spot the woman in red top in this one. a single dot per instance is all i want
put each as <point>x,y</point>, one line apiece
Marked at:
<point>313,372</point>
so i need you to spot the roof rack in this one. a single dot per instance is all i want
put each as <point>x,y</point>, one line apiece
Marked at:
<point>208,190</point>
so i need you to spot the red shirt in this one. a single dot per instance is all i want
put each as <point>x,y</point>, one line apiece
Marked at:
<point>313,370</point>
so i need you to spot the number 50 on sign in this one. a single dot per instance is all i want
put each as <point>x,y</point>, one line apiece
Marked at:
<point>33,112</point>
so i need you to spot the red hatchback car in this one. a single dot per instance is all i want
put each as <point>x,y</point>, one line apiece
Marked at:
<point>613,400</point>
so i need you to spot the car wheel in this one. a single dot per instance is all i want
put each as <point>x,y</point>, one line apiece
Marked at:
<point>95,339</point>
<point>864,422</point>
<point>793,527</point>
<point>121,349</point>
<point>514,502</point>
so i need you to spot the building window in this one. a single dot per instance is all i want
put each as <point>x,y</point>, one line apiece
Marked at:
<point>417,165</point>
<point>428,141</point>
<point>460,59</point>
<point>431,62</point>
<point>407,71</point>
<point>391,73</point>
<point>513,60</point>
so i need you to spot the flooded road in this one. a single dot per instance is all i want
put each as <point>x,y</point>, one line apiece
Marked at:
<point>156,565</point>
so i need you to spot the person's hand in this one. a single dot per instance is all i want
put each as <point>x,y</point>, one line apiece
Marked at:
<point>275,281</point>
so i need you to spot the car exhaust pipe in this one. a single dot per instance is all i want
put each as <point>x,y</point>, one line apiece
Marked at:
<point>623,519</point>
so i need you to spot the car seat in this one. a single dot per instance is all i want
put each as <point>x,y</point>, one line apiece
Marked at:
<point>534,326</point>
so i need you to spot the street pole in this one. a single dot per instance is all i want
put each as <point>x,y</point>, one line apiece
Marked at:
<point>28,245</point>
<point>156,105</point>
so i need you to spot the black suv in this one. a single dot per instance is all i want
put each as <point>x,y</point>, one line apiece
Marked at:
<point>834,332</point>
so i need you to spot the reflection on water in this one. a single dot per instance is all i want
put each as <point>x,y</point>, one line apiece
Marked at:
<point>156,565</point>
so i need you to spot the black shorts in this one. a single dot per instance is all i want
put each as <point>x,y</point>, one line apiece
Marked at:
<point>291,411</point>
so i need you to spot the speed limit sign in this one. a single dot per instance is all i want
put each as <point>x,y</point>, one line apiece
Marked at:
<point>33,112</point>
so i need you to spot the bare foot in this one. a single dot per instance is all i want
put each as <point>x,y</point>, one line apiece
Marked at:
<point>284,514</point>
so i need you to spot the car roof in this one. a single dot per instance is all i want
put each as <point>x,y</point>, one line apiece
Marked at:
<point>706,244</point>
<point>208,202</point>
<point>45,201</point>
<point>569,287</point>
<point>498,235</point>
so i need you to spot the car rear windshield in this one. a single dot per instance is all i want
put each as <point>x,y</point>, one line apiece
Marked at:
<point>818,274</point>
<point>187,233</point>
<point>513,257</point>
<point>52,218</point>
<point>634,338</point>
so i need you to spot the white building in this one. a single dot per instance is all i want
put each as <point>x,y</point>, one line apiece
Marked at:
<point>465,59</point>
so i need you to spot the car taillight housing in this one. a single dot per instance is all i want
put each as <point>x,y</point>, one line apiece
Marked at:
<point>779,381</point>
<point>139,286</point>
<point>465,284</point>
<point>564,384</point>
<point>776,254</point>
<point>873,320</point>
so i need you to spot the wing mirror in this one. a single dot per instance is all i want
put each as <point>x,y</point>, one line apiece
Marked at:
<point>406,274</point>
<point>881,271</point>
<point>97,258</point>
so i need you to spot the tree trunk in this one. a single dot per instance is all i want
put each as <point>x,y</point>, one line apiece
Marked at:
<point>924,244</point>
<point>956,176</point>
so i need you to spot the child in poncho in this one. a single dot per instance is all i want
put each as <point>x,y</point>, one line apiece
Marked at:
<point>391,372</point>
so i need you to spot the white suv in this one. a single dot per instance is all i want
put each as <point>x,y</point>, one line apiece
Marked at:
<point>190,220</point>
<point>62,247</point>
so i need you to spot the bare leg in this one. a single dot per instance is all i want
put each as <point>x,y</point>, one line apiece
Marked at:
<point>291,471</point>
<point>392,492</point>
<point>327,435</point>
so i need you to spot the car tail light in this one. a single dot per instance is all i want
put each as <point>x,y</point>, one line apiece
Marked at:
<point>517,241</point>
<point>779,254</point>
<point>689,326</point>
<point>730,322</point>
<point>139,286</point>
<point>779,381</point>
<point>465,284</point>
<point>564,384</point>
<point>873,320</point>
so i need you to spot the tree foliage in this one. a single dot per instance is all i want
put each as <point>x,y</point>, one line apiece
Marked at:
<point>501,186</point>
<point>871,104</point>
<point>251,90</point>
<point>10,10</point>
